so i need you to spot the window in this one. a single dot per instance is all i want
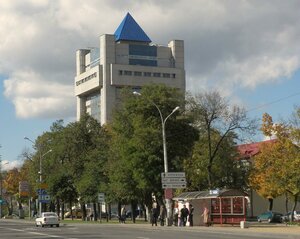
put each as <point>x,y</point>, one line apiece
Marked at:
<point>215,205</point>
<point>156,74</point>
<point>237,204</point>
<point>142,62</point>
<point>127,73</point>
<point>226,205</point>
<point>147,74</point>
<point>120,72</point>
<point>166,75</point>
<point>138,73</point>
<point>173,75</point>
<point>142,50</point>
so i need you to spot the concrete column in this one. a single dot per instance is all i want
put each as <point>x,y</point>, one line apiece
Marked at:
<point>80,61</point>
<point>80,107</point>
<point>108,94</point>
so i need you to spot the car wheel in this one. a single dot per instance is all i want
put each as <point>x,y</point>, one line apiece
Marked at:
<point>57,225</point>
<point>36,225</point>
<point>51,225</point>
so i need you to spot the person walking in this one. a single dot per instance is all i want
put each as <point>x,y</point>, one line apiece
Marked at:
<point>205,216</point>
<point>162,215</point>
<point>184,212</point>
<point>191,215</point>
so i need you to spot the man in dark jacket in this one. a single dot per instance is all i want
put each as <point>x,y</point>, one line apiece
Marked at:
<point>184,214</point>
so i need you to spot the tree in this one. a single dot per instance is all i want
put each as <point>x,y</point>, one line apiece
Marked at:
<point>212,113</point>
<point>137,161</point>
<point>276,168</point>
<point>228,171</point>
<point>11,183</point>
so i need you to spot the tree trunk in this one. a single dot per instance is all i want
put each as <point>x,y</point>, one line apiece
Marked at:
<point>95,216</point>
<point>286,202</point>
<point>294,207</point>
<point>270,204</point>
<point>83,210</point>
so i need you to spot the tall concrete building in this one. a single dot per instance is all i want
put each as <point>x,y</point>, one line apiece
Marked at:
<point>125,59</point>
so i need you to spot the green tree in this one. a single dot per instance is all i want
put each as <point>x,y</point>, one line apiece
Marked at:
<point>137,161</point>
<point>228,171</point>
<point>212,113</point>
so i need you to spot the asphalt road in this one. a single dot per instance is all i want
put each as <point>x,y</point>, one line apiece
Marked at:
<point>20,229</point>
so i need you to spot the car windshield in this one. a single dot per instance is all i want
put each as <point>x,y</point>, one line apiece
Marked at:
<point>49,214</point>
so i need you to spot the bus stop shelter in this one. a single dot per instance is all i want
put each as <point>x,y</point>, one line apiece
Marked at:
<point>226,206</point>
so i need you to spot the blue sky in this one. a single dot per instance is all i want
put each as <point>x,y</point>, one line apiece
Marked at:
<point>248,50</point>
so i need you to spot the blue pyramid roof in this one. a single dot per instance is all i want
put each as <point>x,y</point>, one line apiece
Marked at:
<point>129,30</point>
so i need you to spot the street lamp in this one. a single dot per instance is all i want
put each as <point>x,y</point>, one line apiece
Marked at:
<point>40,171</point>
<point>1,187</point>
<point>166,169</point>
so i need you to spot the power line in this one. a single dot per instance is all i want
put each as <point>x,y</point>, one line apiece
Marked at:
<point>274,102</point>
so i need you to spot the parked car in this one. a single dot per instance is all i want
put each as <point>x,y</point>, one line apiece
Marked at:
<point>269,217</point>
<point>287,217</point>
<point>47,219</point>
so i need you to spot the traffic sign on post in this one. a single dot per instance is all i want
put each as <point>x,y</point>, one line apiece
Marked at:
<point>174,185</point>
<point>173,175</point>
<point>101,198</point>
<point>44,198</point>
<point>173,180</point>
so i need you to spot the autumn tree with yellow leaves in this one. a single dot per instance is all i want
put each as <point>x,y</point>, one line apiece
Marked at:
<point>276,167</point>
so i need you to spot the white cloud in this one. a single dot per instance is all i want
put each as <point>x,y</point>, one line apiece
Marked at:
<point>229,45</point>
<point>34,96</point>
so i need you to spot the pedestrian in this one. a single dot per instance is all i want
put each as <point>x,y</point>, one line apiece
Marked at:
<point>179,219</point>
<point>154,215</point>
<point>205,216</point>
<point>162,215</point>
<point>175,214</point>
<point>191,215</point>
<point>184,212</point>
<point>123,214</point>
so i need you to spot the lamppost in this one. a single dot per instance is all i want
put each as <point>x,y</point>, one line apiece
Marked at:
<point>40,171</point>
<point>1,187</point>
<point>166,169</point>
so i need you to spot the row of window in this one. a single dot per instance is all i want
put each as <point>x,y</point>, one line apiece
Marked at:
<point>86,79</point>
<point>229,205</point>
<point>146,74</point>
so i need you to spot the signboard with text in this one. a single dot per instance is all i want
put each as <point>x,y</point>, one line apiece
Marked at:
<point>173,180</point>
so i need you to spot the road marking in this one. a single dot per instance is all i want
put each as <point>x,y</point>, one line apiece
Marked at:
<point>143,238</point>
<point>35,233</point>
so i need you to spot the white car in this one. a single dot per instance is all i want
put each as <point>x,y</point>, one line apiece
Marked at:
<point>47,219</point>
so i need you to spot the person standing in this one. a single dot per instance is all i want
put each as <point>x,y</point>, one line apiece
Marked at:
<point>205,216</point>
<point>184,212</point>
<point>123,214</point>
<point>162,215</point>
<point>154,215</point>
<point>191,219</point>
<point>175,216</point>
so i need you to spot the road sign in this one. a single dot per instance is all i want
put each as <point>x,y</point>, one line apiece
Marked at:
<point>101,197</point>
<point>41,192</point>
<point>174,185</point>
<point>45,198</point>
<point>173,180</point>
<point>173,175</point>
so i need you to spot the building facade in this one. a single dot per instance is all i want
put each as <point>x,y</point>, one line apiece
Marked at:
<point>124,59</point>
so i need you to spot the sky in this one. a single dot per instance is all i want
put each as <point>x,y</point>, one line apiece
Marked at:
<point>247,50</point>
